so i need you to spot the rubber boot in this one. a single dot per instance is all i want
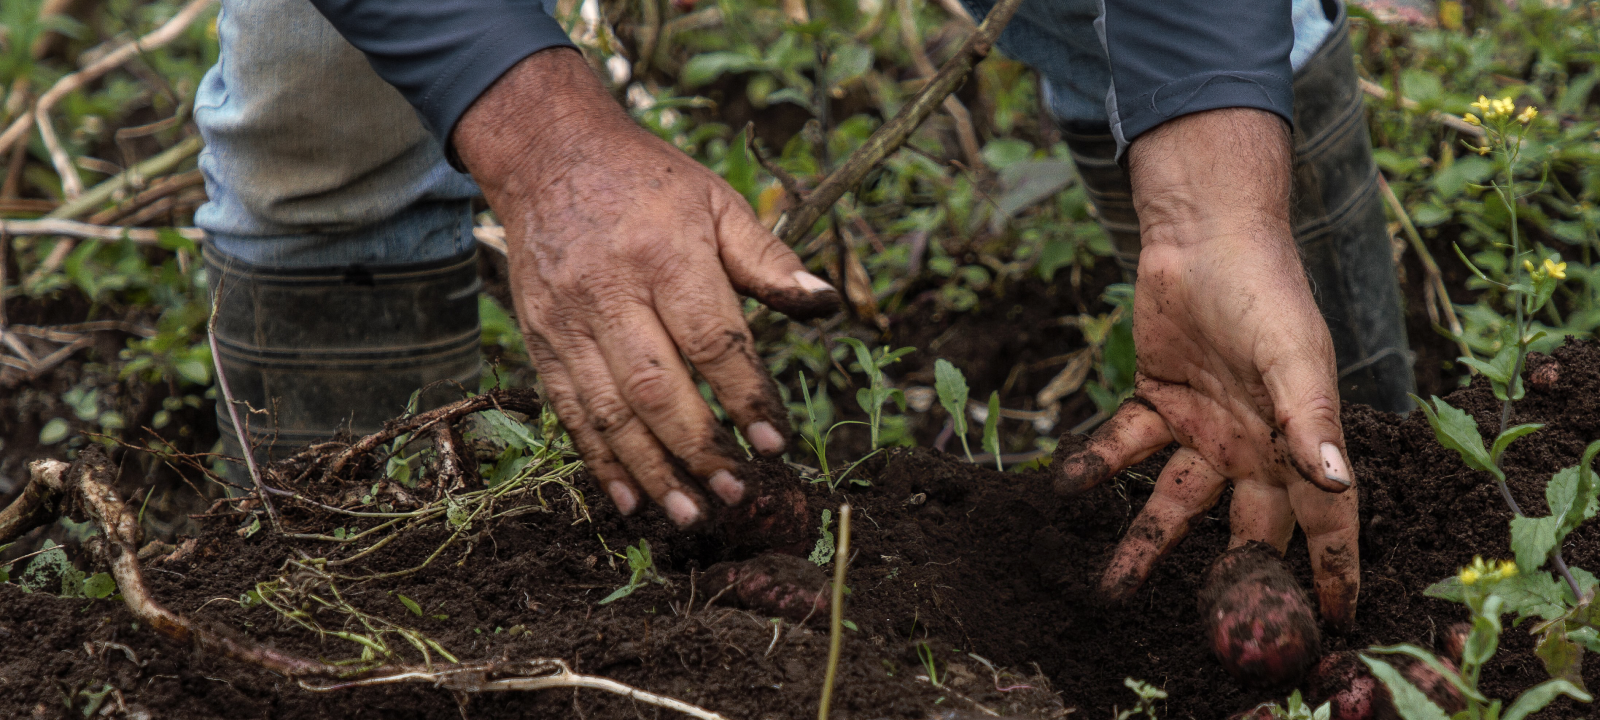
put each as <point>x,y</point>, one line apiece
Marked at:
<point>1337,216</point>
<point>322,351</point>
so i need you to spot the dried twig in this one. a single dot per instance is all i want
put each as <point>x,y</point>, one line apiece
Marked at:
<point>888,138</point>
<point>158,190</point>
<point>239,428</point>
<point>841,561</point>
<point>952,107</point>
<point>74,228</point>
<point>525,401</point>
<point>1443,118</point>
<point>1437,293</point>
<point>71,184</point>
<point>87,488</point>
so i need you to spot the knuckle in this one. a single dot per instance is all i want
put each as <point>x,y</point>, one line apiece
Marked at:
<point>649,387</point>
<point>713,344</point>
<point>608,413</point>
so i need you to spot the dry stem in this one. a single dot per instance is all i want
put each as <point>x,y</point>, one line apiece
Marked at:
<point>87,486</point>
<point>797,223</point>
<point>841,561</point>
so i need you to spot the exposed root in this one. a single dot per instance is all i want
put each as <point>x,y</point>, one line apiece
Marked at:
<point>86,488</point>
<point>520,401</point>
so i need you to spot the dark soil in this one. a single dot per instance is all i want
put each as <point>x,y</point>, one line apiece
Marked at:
<point>975,563</point>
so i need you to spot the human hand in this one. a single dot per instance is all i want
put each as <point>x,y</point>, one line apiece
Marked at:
<point>1234,361</point>
<point>626,259</point>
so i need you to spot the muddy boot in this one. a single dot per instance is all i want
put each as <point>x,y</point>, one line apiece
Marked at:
<point>321,351</point>
<point>1337,216</point>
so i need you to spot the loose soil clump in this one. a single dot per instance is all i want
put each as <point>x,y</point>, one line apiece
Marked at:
<point>983,571</point>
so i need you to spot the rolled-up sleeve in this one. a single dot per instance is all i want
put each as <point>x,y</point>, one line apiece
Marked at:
<point>1170,58</point>
<point>442,54</point>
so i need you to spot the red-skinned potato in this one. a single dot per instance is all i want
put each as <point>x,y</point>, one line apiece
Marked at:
<point>773,585</point>
<point>1343,680</point>
<point>1257,618</point>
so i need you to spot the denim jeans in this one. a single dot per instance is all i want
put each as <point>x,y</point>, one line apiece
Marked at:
<point>312,160</point>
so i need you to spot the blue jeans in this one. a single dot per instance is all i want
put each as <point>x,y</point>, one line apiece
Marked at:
<point>312,160</point>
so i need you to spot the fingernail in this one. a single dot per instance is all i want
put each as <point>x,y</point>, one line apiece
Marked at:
<point>812,283</point>
<point>680,508</point>
<point>764,438</point>
<point>627,501</point>
<point>1333,467</point>
<point>726,486</point>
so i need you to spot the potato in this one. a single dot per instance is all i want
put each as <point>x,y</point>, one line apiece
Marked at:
<point>1257,618</point>
<point>773,585</point>
<point>1342,679</point>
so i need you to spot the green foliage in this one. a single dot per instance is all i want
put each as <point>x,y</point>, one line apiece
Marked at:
<point>878,390</point>
<point>642,570</point>
<point>991,429</point>
<point>951,386</point>
<point>818,427</point>
<point>822,553</point>
<point>929,664</point>
<point>1573,498</point>
<point>1148,695</point>
<point>1456,430</point>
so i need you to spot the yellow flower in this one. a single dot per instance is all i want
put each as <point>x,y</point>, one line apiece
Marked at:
<point>1508,568</point>
<point>1528,114</point>
<point>1555,269</point>
<point>1528,265</point>
<point>1472,119</point>
<point>1484,104</point>
<point>1483,150</point>
<point>1504,107</point>
<point>1469,576</point>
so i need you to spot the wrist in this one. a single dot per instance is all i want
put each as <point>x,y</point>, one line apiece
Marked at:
<point>1215,177</point>
<point>542,116</point>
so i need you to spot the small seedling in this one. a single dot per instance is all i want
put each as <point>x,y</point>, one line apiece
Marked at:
<point>643,569</point>
<point>925,654</point>
<point>819,428</point>
<point>1148,695</point>
<point>822,554</point>
<point>878,390</point>
<point>952,388</point>
<point>991,430</point>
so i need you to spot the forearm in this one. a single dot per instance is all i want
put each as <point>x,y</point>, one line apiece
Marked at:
<point>1213,176</point>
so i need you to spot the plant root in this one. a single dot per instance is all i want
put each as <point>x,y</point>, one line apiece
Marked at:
<point>524,401</point>
<point>86,488</point>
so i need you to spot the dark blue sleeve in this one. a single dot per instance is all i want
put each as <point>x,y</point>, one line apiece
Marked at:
<point>1176,57</point>
<point>442,54</point>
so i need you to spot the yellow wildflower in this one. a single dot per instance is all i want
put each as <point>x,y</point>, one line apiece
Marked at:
<point>1483,150</point>
<point>1472,119</point>
<point>1484,105</point>
<point>1468,576</point>
<point>1555,269</point>
<point>1528,265</point>
<point>1508,568</point>
<point>1504,107</point>
<point>1528,114</point>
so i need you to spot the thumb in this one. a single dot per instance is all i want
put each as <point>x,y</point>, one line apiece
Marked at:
<point>1305,399</point>
<point>761,266</point>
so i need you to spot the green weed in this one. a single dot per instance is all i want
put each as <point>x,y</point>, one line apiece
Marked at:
<point>1148,695</point>
<point>642,570</point>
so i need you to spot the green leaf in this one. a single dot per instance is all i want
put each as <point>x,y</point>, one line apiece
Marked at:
<point>1532,539</point>
<point>510,431</point>
<point>705,67</point>
<point>193,371</point>
<point>410,604</point>
<point>952,388</point>
<point>1509,436</point>
<point>54,431</point>
<point>1432,661</point>
<point>1453,180</point>
<point>1538,696</point>
<point>1533,593</point>
<point>863,356</point>
<point>1457,431</point>
<point>1484,639</point>
<point>991,429</point>
<point>1449,589</point>
<point>99,586</point>
<point>1411,702</point>
<point>1563,658</point>
<point>620,593</point>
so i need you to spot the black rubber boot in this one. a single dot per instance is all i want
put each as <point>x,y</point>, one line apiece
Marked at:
<point>1337,216</point>
<point>330,350</point>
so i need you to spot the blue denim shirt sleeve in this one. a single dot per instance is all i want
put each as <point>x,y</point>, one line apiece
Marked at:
<point>442,54</point>
<point>1176,57</point>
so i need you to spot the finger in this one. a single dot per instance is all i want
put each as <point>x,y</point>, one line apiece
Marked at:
<point>1187,487</point>
<point>660,405</point>
<point>1260,512</point>
<point>761,266</point>
<point>612,418</point>
<point>597,456</point>
<point>1332,526</point>
<point>702,316</point>
<point>1301,377</point>
<point>1131,435</point>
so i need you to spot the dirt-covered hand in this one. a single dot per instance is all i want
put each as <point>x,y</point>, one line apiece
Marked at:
<point>627,258</point>
<point>1234,361</point>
